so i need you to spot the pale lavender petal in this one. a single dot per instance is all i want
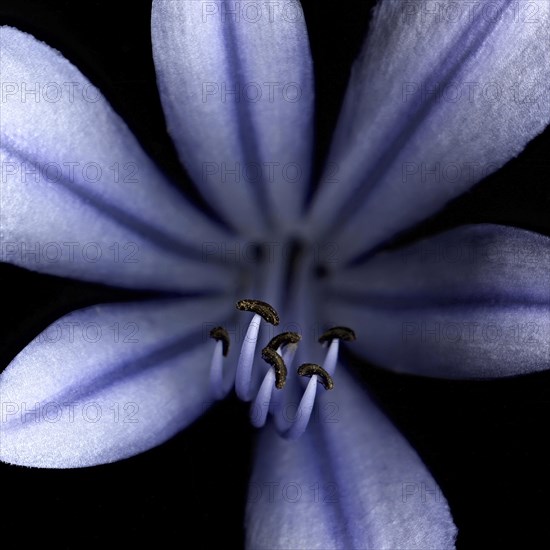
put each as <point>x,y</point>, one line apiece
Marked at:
<point>108,382</point>
<point>351,481</point>
<point>79,196</point>
<point>473,302</point>
<point>444,94</point>
<point>249,151</point>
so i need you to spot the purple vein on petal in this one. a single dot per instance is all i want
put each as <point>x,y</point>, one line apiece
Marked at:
<point>471,133</point>
<point>246,129</point>
<point>123,217</point>
<point>325,469</point>
<point>267,133</point>
<point>466,45</point>
<point>364,462</point>
<point>472,302</point>
<point>92,385</point>
<point>150,356</point>
<point>419,302</point>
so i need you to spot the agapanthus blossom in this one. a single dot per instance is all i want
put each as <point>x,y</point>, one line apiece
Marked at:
<point>238,99</point>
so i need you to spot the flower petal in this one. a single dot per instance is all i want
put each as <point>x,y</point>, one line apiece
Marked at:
<point>444,94</point>
<point>473,302</point>
<point>236,83</point>
<point>107,382</point>
<point>79,196</point>
<point>351,481</point>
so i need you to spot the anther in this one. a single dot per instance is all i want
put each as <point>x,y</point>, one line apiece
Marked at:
<point>219,333</point>
<point>276,361</point>
<point>340,333</point>
<point>283,339</point>
<point>309,369</point>
<point>266,311</point>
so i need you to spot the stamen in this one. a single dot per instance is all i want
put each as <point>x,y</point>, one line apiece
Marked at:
<point>333,336</point>
<point>216,372</point>
<point>276,361</point>
<point>303,414</point>
<point>267,311</point>
<point>277,397</point>
<point>331,358</point>
<point>342,333</point>
<point>283,339</point>
<point>309,369</point>
<point>243,376</point>
<point>262,401</point>
<point>219,333</point>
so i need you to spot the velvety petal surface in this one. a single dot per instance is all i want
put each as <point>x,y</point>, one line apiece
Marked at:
<point>79,196</point>
<point>236,83</point>
<point>473,302</point>
<point>351,481</point>
<point>443,94</point>
<point>108,382</point>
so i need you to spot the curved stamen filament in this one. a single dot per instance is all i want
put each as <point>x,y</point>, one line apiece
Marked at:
<point>275,378</point>
<point>269,400</point>
<point>216,372</point>
<point>220,333</point>
<point>305,408</point>
<point>243,376</point>
<point>303,413</point>
<point>221,350</point>
<point>261,404</point>
<point>277,397</point>
<point>333,336</point>
<point>331,357</point>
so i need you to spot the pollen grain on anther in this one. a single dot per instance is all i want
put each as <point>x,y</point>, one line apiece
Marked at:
<point>220,333</point>
<point>309,369</point>
<point>276,361</point>
<point>267,311</point>
<point>341,333</point>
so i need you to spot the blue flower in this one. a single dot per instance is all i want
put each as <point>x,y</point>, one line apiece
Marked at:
<point>238,100</point>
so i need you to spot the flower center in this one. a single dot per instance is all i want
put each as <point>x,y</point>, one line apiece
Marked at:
<point>265,387</point>
<point>281,363</point>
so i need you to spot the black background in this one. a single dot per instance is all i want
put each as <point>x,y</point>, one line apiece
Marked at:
<point>485,442</point>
